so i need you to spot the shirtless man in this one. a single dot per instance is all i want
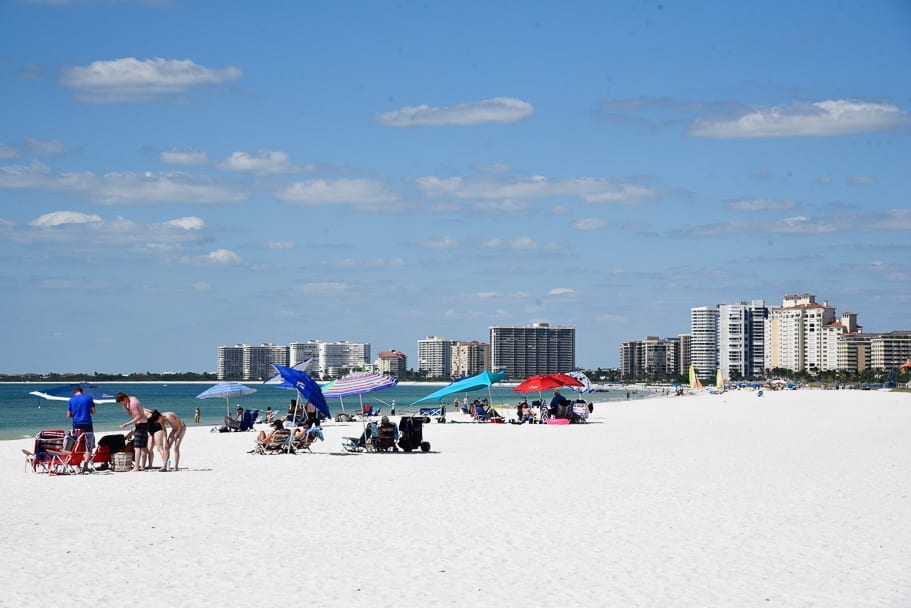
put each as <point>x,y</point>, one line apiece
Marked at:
<point>175,436</point>
<point>133,407</point>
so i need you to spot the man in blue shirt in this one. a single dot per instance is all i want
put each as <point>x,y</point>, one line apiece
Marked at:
<point>80,409</point>
<point>558,405</point>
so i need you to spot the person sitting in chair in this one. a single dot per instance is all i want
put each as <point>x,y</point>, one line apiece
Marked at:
<point>234,423</point>
<point>387,435</point>
<point>264,437</point>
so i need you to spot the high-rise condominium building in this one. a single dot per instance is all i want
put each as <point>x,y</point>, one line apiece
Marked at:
<point>704,341</point>
<point>301,351</point>
<point>338,358</point>
<point>797,338</point>
<point>230,364</point>
<point>651,358</point>
<point>742,339</point>
<point>539,348</point>
<point>258,360</point>
<point>469,358</point>
<point>435,357</point>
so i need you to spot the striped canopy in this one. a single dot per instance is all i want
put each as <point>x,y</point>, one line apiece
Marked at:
<point>359,383</point>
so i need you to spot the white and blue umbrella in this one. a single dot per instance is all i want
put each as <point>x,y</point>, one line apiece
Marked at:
<point>228,390</point>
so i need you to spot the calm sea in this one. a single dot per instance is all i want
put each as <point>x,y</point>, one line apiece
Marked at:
<point>23,415</point>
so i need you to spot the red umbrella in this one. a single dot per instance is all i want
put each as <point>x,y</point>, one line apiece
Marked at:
<point>544,382</point>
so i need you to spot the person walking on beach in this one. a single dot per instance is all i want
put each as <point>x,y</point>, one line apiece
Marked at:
<point>80,408</point>
<point>196,415</point>
<point>174,439</point>
<point>133,407</point>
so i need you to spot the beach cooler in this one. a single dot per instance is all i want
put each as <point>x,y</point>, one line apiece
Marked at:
<point>557,421</point>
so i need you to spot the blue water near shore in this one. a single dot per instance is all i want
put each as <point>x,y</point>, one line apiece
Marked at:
<point>23,415</point>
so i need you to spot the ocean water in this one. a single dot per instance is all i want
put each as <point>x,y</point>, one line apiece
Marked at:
<point>23,415</point>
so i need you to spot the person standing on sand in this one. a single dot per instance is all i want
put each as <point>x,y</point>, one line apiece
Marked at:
<point>175,437</point>
<point>133,407</point>
<point>80,408</point>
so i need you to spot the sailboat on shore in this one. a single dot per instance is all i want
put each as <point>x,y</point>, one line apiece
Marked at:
<point>694,381</point>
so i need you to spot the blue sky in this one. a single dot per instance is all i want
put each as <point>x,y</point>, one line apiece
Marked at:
<point>180,175</point>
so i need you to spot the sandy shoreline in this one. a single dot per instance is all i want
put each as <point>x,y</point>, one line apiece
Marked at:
<point>793,499</point>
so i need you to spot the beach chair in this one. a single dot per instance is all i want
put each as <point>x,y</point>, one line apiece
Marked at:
<point>279,442</point>
<point>72,458</point>
<point>364,443</point>
<point>46,444</point>
<point>368,410</point>
<point>481,414</point>
<point>384,441</point>
<point>249,419</point>
<point>310,436</point>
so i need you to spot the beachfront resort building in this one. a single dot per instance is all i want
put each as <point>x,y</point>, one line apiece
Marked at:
<point>469,358</point>
<point>704,341</point>
<point>742,336</point>
<point>435,357</point>
<point>328,359</point>
<point>392,362</point>
<point>539,348</point>
<point>796,333</point>
<point>651,358</point>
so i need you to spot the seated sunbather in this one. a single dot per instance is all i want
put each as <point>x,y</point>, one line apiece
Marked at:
<point>235,422</point>
<point>264,437</point>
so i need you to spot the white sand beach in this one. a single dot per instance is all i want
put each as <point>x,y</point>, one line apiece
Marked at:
<point>799,498</point>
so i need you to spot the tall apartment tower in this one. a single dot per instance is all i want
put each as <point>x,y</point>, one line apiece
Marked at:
<point>704,341</point>
<point>742,339</point>
<point>338,358</point>
<point>652,358</point>
<point>797,338</point>
<point>230,363</point>
<point>258,360</point>
<point>539,348</point>
<point>301,351</point>
<point>435,357</point>
<point>469,358</point>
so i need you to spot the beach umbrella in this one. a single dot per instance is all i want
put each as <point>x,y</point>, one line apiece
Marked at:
<point>63,393</point>
<point>226,390</point>
<point>358,383</point>
<point>306,387</point>
<point>466,385</point>
<point>545,382</point>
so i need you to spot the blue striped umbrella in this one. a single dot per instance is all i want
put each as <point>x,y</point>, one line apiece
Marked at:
<point>228,390</point>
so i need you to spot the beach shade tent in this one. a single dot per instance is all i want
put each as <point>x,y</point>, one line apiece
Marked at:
<point>466,385</point>
<point>227,391</point>
<point>358,383</point>
<point>63,393</point>
<point>306,387</point>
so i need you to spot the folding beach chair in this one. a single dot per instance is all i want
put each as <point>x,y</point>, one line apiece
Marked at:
<point>72,458</point>
<point>277,443</point>
<point>46,444</point>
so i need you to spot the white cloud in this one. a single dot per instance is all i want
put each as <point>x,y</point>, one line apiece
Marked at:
<point>587,189</point>
<point>121,188</point>
<point>895,219</point>
<point>443,242</point>
<point>327,287</point>
<point>758,204</point>
<point>262,162</point>
<point>861,180</point>
<point>61,218</point>
<point>187,223</point>
<point>820,119</point>
<point>523,243</point>
<point>184,156</point>
<point>501,206</point>
<point>130,79</point>
<point>562,291</point>
<point>223,257</point>
<point>589,223</point>
<point>341,191</point>
<point>496,110</point>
